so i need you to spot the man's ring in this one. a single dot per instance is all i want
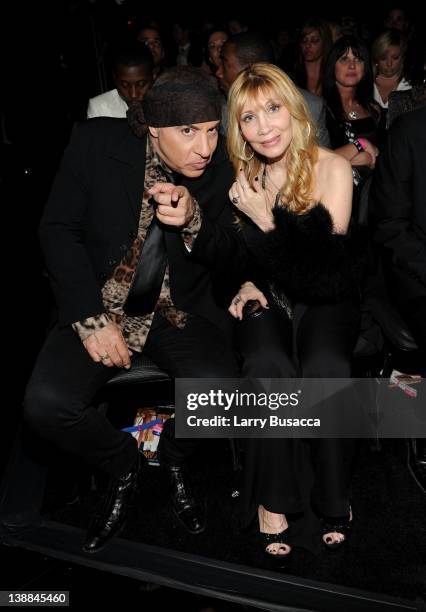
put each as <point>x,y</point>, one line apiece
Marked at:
<point>235,200</point>
<point>237,299</point>
<point>104,357</point>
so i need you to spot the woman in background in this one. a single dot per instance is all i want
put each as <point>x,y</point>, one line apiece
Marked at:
<point>388,55</point>
<point>314,46</point>
<point>353,116</point>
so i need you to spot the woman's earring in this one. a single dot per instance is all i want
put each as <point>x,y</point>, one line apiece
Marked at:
<point>245,156</point>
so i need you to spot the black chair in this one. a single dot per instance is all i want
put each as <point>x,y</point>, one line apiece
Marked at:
<point>369,347</point>
<point>377,308</point>
<point>145,376</point>
<point>398,338</point>
<point>143,371</point>
<point>396,334</point>
<point>399,344</point>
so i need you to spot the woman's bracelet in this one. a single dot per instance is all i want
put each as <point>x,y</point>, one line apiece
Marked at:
<point>359,143</point>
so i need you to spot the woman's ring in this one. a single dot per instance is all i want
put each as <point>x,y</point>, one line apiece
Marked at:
<point>104,357</point>
<point>235,200</point>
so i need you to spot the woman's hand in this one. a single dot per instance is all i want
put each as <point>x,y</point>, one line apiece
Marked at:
<point>366,157</point>
<point>372,151</point>
<point>248,291</point>
<point>252,201</point>
<point>362,158</point>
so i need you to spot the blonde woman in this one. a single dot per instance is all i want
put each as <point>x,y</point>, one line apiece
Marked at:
<point>293,202</point>
<point>388,54</point>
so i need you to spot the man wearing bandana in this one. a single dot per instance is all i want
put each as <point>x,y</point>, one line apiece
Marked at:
<point>135,211</point>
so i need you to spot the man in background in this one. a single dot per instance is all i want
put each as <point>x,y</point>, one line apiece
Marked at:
<point>132,69</point>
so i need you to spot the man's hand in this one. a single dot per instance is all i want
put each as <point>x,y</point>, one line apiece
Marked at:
<point>175,204</point>
<point>109,347</point>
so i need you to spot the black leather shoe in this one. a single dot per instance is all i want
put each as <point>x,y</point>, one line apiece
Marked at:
<point>417,461</point>
<point>111,514</point>
<point>185,505</point>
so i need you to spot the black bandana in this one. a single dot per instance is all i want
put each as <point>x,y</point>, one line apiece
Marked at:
<point>182,95</point>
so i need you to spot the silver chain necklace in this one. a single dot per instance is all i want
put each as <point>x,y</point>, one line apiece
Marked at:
<point>267,176</point>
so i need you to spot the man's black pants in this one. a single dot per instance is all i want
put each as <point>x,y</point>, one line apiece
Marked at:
<point>65,379</point>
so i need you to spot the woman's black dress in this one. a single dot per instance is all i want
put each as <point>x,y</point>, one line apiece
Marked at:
<point>319,274</point>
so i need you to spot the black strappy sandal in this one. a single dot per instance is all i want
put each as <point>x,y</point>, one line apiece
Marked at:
<point>276,538</point>
<point>336,524</point>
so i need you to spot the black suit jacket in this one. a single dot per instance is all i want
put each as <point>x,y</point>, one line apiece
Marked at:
<point>398,205</point>
<point>92,215</point>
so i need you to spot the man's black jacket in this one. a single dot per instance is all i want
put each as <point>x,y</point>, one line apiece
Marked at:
<point>92,215</point>
<point>398,205</point>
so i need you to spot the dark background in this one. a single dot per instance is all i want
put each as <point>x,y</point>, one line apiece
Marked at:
<point>53,59</point>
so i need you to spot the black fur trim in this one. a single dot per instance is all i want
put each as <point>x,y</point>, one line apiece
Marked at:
<point>306,261</point>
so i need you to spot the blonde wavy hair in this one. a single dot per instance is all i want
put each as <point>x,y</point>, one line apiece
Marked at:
<point>302,153</point>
